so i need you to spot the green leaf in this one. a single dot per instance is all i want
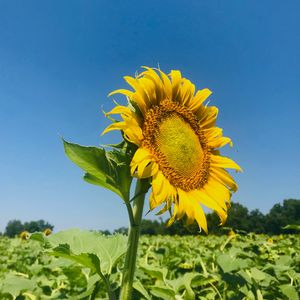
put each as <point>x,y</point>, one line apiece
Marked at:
<point>40,237</point>
<point>108,169</point>
<point>15,285</point>
<point>289,291</point>
<point>155,272</point>
<point>88,260</point>
<point>250,296</point>
<point>201,280</point>
<point>259,295</point>
<point>292,226</point>
<point>90,249</point>
<point>186,282</point>
<point>245,276</point>
<point>162,292</point>
<point>137,285</point>
<point>230,263</point>
<point>257,274</point>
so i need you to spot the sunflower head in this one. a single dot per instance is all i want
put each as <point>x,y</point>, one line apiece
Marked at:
<point>47,231</point>
<point>24,235</point>
<point>231,233</point>
<point>177,145</point>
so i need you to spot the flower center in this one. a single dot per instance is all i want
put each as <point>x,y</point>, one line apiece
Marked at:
<point>180,145</point>
<point>172,134</point>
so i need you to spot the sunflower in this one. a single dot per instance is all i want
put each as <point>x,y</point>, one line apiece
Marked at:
<point>47,231</point>
<point>24,235</point>
<point>177,145</point>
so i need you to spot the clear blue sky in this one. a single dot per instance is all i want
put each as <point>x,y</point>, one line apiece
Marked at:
<point>60,59</point>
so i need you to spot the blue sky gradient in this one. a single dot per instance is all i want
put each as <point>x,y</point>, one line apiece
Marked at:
<point>60,59</point>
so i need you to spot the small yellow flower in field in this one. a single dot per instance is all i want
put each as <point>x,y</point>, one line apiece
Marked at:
<point>231,233</point>
<point>186,266</point>
<point>24,235</point>
<point>177,144</point>
<point>47,231</point>
<point>270,241</point>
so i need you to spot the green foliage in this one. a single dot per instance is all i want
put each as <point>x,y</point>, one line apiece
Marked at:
<point>191,267</point>
<point>74,242</point>
<point>86,262</point>
<point>15,227</point>
<point>245,267</point>
<point>108,169</point>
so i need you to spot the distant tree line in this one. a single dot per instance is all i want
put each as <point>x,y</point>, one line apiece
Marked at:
<point>240,219</point>
<point>15,227</point>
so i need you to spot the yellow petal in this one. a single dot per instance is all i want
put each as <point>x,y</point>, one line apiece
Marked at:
<point>119,109</point>
<point>133,134</point>
<point>174,216</point>
<point>224,162</point>
<point>200,217</point>
<point>213,132</point>
<point>185,206</point>
<point>140,155</point>
<point>150,89</point>
<point>131,129</point>
<point>209,116</point>
<point>224,177</point>
<point>217,193</point>
<point>137,99</point>
<point>134,83</point>
<point>166,207</point>
<point>121,91</point>
<point>199,98</point>
<point>157,182</point>
<point>198,213</point>
<point>219,142</point>
<point>187,92</point>
<point>152,201</point>
<point>176,81</point>
<point>167,84</point>
<point>144,169</point>
<point>203,198</point>
<point>114,126</point>
<point>159,88</point>
<point>162,189</point>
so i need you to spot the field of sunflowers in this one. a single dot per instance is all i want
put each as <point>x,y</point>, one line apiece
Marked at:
<point>68,265</point>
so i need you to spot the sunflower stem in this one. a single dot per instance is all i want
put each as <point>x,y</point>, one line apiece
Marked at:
<point>133,239</point>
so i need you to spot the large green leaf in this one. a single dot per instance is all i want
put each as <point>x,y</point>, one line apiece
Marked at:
<point>15,285</point>
<point>230,263</point>
<point>163,292</point>
<point>185,283</point>
<point>137,285</point>
<point>91,249</point>
<point>289,291</point>
<point>108,169</point>
<point>88,260</point>
<point>257,274</point>
<point>154,271</point>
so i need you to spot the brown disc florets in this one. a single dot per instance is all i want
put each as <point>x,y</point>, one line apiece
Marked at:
<point>173,135</point>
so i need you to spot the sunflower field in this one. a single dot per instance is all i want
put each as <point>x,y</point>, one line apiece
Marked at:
<point>77,264</point>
